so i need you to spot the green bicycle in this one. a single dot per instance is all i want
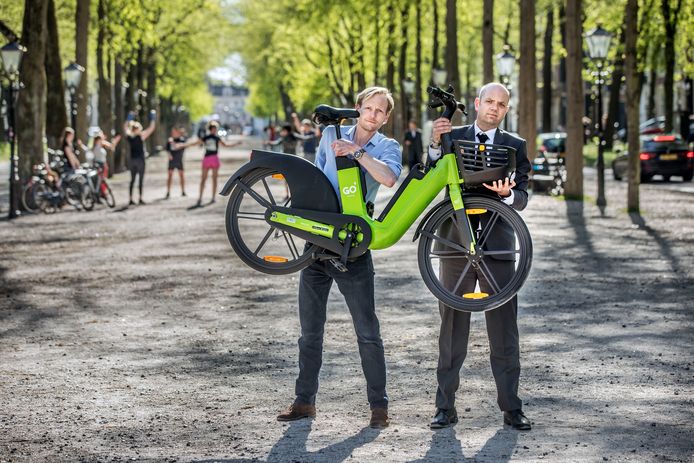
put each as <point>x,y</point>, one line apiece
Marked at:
<point>283,214</point>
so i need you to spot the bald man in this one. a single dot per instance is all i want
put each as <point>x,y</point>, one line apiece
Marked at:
<point>491,105</point>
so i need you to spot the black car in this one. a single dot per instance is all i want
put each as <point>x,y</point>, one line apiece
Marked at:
<point>549,171</point>
<point>664,155</point>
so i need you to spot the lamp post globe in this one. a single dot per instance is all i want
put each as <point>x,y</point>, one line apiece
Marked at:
<point>11,59</point>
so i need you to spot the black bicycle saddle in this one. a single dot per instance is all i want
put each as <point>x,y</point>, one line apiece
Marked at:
<point>327,115</point>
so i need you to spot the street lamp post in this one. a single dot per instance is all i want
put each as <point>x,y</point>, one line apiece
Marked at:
<point>504,63</point>
<point>73,75</point>
<point>598,41</point>
<point>11,58</point>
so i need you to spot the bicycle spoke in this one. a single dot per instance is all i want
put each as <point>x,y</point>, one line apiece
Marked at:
<point>254,194</point>
<point>487,229</point>
<point>448,254</point>
<point>489,276</point>
<point>269,194</point>
<point>460,278</point>
<point>251,215</point>
<point>290,242</point>
<point>501,253</point>
<point>264,240</point>
<point>444,241</point>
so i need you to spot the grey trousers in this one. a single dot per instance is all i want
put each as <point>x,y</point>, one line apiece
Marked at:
<point>357,287</point>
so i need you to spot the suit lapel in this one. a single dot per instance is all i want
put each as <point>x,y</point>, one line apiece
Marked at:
<point>470,133</point>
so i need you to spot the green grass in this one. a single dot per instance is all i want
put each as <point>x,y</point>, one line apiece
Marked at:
<point>590,153</point>
<point>4,151</point>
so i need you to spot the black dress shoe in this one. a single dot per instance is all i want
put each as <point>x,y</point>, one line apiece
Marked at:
<point>444,418</point>
<point>517,420</point>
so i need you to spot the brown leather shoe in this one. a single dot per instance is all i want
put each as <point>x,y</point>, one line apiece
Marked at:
<point>298,411</point>
<point>379,418</point>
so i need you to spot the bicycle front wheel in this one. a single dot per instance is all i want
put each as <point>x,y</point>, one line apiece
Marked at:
<point>107,194</point>
<point>28,197</point>
<point>259,244</point>
<point>484,280</point>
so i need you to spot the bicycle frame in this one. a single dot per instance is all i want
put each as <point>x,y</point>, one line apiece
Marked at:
<point>403,210</point>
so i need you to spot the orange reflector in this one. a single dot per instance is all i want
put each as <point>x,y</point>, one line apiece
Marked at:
<point>278,176</point>
<point>475,211</point>
<point>475,295</point>
<point>481,147</point>
<point>278,259</point>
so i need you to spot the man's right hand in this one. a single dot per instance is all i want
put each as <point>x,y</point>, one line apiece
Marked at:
<point>440,126</point>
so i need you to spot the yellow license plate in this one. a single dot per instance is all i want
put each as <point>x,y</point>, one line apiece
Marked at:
<point>668,157</point>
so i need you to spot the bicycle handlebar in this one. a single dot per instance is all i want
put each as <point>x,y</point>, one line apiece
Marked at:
<point>447,99</point>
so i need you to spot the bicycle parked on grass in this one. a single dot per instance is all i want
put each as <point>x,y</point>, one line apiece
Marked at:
<point>280,237</point>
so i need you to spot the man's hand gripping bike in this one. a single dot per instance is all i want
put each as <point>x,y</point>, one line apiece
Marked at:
<point>283,214</point>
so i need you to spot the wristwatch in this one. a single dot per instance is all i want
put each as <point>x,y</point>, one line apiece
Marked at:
<point>358,154</point>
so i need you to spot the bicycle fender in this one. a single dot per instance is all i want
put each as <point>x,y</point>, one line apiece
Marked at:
<point>428,215</point>
<point>310,188</point>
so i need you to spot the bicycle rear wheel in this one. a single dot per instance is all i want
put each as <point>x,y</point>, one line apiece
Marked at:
<point>107,194</point>
<point>259,244</point>
<point>28,198</point>
<point>491,277</point>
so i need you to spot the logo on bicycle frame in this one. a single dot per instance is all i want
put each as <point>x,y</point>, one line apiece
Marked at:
<point>350,190</point>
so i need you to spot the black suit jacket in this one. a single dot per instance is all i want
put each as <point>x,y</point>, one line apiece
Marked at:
<point>502,237</point>
<point>415,147</point>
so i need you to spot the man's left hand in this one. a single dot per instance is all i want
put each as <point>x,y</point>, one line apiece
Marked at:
<point>501,187</point>
<point>344,147</point>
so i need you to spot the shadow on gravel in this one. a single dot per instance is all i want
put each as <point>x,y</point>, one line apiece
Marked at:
<point>292,446</point>
<point>663,246</point>
<point>445,446</point>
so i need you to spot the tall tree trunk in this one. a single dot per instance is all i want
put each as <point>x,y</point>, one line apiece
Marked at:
<point>157,139</point>
<point>30,113</point>
<point>451,58</point>
<point>562,68</point>
<point>652,81</point>
<point>287,104</point>
<point>81,56</point>
<point>119,110</point>
<point>614,91</point>
<point>527,91</point>
<point>435,38</point>
<point>56,116</point>
<point>633,96</point>
<point>402,114</point>
<point>377,31</point>
<point>390,68</point>
<point>131,89</point>
<point>418,64</point>
<point>671,17</point>
<point>574,90</point>
<point>488,41</point>
<point>547,72</point>
<point>140,84</point>
<point>105,103</point>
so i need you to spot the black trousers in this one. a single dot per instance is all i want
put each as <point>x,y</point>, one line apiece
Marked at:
<point>357,286</point>
<point>502,331</point>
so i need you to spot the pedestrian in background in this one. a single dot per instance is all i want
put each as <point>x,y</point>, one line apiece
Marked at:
<point>175,145</point>
<point>136,137</point>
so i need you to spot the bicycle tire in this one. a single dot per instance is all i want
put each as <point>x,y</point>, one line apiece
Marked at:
<point>43,202</point>
<point>431,260</point>
<point>277,251</point>
<point>73,191</point>
<point>108,195</point>
<point>28,201</point>
<point>87,197</point>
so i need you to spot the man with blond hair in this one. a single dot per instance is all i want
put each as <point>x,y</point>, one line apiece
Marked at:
<point>379,158</point>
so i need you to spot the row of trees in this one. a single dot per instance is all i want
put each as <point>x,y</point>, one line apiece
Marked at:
<point>300,52</point>
<point>136,56</point>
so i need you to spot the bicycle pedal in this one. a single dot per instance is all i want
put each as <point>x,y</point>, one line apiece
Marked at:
<point>338,265</point>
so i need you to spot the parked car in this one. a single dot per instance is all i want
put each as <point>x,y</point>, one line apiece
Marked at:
<point>665,155</point>
<point>652,126</point>
<point>549,170</point>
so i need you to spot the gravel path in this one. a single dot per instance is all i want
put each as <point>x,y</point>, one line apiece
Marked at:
<point>136,334</point>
